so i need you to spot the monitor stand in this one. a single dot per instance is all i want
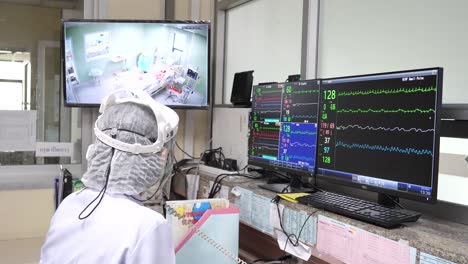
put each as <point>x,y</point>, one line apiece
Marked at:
<point>387,200</point>
<point>294,186</point>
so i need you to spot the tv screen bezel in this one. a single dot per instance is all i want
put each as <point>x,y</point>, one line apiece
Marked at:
<point>188,22</point>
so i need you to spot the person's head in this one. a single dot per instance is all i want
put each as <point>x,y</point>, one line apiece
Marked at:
<point>127,149</point>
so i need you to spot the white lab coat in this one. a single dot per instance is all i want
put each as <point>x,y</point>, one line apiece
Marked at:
<point>120,230</point>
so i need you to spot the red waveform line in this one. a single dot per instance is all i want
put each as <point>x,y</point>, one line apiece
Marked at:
<point>261,99</point>
<point>266,134</point>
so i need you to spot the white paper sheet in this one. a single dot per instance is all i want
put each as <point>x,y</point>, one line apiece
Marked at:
<point>261,213</point>
<point>17,130</point>
<point>301,251</point>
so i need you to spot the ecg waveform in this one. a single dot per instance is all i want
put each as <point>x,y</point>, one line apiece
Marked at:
<point>266,99</point>
<point>300,102</point>
<point>387,122</point>
<point>384,148</point>
<point>300,157</point>
<point>263,140</point>
<point>265,146</point>
<point>265,135</point>
<point>299,144</point>
<point>304,116</point>
<point>305,91</point>
<point>267,104</point>
<point>386,111</point>
<point>261,128</point>
<point>391,91</point>
<point>299,132</point>
<point>399,129</point>
<point>269,91</point>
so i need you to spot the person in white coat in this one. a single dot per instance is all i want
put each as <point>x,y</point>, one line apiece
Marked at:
<point>106,222</point>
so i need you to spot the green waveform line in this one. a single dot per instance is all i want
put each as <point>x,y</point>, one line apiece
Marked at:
<point>394,91</point>
<point>303,132</point>
<point>271,91</point>
<point>416,110</point>
<point>305,91</point>
<point>269,128</point>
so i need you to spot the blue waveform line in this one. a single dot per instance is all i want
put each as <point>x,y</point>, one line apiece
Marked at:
<point>384,148</point>
<point>400,129</point>
<point>299,157</point>
<point>296,144</point>
<point>272,120</point>
<point>299,104</point>
<point>269,157</point>
<point>303,116</point>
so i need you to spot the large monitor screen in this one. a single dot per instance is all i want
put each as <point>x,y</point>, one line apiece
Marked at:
<point>379,132</point>
<point>283,127</point>
<point>168,60</point>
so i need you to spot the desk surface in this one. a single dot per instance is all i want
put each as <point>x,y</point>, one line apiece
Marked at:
<point>437,237</point>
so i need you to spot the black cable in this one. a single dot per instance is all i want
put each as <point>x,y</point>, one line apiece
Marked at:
<point>217,185</point>
<point>183,151</point>
<point>152,140</point>
<point>243,169</point>
<point>214,155</point>
<point>280,175</point>
<point>285,189</point>
<point>217,182</point>
<point>395,202</point>
<point>189,169</point>
<point>283,258</point>
<point>286,244</point>
<point>298,235</point>
<point>296,243</point>
<point>101,193</point>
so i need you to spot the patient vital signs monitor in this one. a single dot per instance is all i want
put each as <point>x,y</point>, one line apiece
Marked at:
<point>379,132</point>
<point>283,124</point>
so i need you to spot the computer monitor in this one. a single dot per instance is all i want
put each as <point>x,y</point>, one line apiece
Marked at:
<point>167,59</point>
<point>283,127</point>
<point>379,132</point>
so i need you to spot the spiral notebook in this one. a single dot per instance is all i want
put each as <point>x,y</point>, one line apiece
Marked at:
<point>207,229</point>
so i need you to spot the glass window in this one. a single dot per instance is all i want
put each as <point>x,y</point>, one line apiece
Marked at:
<point>30,79</point>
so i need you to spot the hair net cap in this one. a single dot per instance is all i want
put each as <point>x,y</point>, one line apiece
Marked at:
<point>130,174</point>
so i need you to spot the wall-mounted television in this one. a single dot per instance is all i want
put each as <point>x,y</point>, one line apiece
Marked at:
<point>167,59</point>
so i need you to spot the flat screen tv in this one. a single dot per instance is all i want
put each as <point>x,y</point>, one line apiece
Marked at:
<point>167,59</point>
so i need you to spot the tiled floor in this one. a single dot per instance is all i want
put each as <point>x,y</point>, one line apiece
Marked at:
<point>21,251</point>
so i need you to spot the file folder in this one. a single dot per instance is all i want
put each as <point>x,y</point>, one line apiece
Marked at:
<point>213,238</point>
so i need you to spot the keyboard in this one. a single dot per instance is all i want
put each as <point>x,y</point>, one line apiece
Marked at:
<point>359,209</point>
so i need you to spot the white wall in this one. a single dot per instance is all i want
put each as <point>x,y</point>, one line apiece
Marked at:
<point>25,214</point>
<point>134,9</point>
<point>367,36</point>
<point>453,170</point>
<point>230,131</point>
<point>262,36</point>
